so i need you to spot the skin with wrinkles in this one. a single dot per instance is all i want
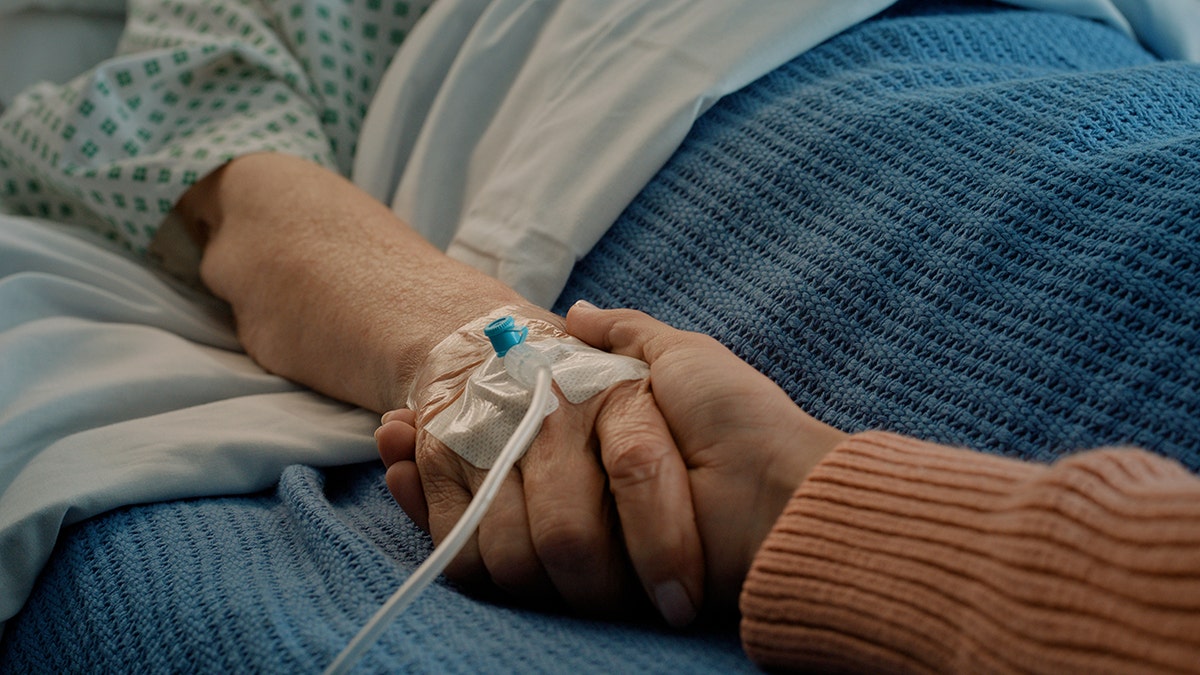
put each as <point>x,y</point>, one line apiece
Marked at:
<point>330,289</point>
<point>746,445</point>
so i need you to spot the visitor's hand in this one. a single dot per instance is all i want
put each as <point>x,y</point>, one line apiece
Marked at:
<point>552,532</point>
<point>746,444</point>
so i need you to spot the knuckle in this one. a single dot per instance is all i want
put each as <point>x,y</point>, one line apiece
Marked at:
<point>568,543</point>
<point>439,462</point>
<point>440,476</point>
<point>440,495</point>
<point>625,329</point>
<point>637,461</point>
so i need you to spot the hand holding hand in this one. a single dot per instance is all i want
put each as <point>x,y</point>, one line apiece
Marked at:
<point>551,532</point>
<point>747,446</point>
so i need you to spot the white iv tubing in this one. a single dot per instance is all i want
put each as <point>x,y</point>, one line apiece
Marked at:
<point>453,543</point>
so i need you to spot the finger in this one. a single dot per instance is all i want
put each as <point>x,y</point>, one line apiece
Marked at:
<point>400,414</point>
<point>404,482</point>
<point>649,483</point>
<point>622,331</point>
<point>397,444</point>
<point>569,519</point>
<point>506,545</point>
<point>447,495</point>
<point>396,441</point>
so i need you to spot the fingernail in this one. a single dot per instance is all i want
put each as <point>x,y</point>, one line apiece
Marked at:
<point>674,604</point>
<point>387,417</point>
<point>584,304</point>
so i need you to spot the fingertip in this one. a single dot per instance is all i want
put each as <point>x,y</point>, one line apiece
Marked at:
<point>404,483</point>
<point>622,331</point>
<point>675,604</point>
<point>582,308</point>
<point>581,318</point>
<point>396,441</point>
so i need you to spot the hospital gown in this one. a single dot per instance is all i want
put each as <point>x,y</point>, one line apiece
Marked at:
<point>482,91</point>
<point>194,84</point>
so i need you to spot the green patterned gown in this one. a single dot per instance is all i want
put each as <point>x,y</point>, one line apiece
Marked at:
<point>194,84</point>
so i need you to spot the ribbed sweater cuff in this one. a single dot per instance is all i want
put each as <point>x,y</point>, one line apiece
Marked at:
<point>902,556</point>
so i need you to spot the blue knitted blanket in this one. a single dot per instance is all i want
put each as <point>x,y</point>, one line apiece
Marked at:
<point>979,227</point>
<point>968,223</point>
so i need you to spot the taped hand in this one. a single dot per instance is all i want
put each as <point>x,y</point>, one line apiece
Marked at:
<point>552,533</point>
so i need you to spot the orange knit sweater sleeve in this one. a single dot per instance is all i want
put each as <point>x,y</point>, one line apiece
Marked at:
<point>902,556</point>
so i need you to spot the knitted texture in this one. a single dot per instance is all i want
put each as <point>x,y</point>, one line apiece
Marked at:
<point>280,582</point>
<point>979,228</point>
<point>899,556</point>
<point>976,225</point>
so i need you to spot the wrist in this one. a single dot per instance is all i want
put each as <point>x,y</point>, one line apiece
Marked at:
<point>447,364</point>
<point>328,287</point>
<point>810,442</point>
<point>794,459</point>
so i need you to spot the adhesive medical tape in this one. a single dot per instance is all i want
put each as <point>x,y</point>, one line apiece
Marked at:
<point>478,423</point>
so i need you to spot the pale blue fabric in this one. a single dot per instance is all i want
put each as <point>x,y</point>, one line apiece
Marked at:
<point>512,133</point>
<point>918,230</point>
<point>118,387</point>
<point>973,224</point>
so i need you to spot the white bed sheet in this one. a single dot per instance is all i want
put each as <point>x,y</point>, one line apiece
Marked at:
<point>513,133</point>
<point>117,388</point>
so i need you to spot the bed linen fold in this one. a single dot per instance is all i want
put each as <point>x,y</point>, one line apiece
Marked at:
<point>118,388</point>
<point>196,417</point>
<point>512,134</point>
<point>844,224</point>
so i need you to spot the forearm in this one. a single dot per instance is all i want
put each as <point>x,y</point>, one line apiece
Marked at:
<point>903,556</point>
<point>328,287</point>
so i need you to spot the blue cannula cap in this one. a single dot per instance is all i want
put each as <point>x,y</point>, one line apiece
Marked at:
<point>505,335</point>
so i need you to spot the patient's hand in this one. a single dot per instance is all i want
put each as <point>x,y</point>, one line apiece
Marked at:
<point>746,444</point>
<point>330,289</point>
<point>552,532</point>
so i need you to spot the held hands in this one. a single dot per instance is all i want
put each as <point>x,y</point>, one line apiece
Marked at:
<point>746,445</point>
<point>323,309</point>
<point>552,533</point>
<point>698,471</point>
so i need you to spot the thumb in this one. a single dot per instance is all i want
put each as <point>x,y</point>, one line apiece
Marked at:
<point>647,474</point>
<point>621,331</point>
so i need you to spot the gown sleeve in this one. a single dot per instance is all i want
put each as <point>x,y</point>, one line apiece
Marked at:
<point>193,85</point>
